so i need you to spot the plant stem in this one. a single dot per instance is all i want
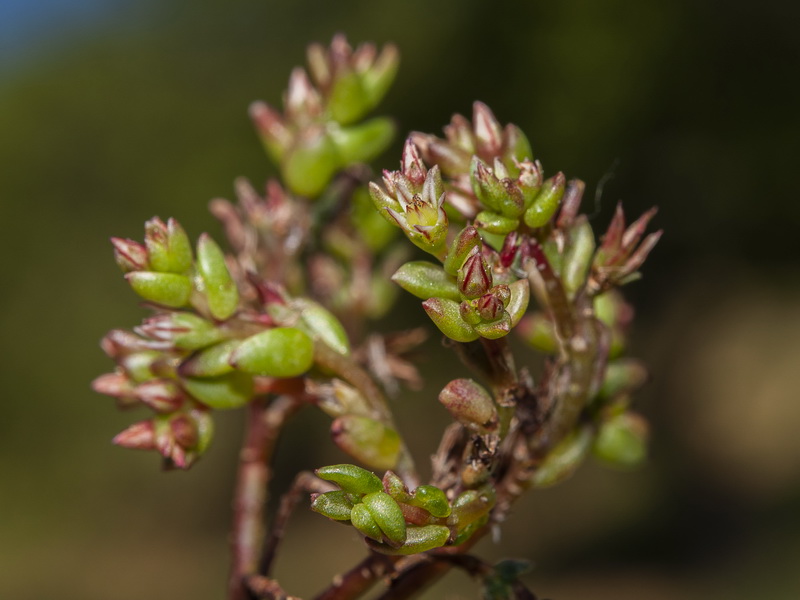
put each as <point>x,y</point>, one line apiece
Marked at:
<point>359,579</point>
<point>263,425</point>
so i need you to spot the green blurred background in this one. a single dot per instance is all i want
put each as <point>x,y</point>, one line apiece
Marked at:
<point>111,112</point>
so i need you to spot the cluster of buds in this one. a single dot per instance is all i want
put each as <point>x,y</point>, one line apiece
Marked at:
<point>413,199</point>
<point>316,136</point>
<point>471,295</point>
<point>396,521</point>
<point>213,354</point>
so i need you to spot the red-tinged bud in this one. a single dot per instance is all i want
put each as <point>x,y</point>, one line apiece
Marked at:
<point>395,487</point>
<point>467,242</point>
<point>168,246</point>
<point>474,277</point>
<point>130,255</point>
<point>116,385</point>
<point>488,133</point>
<point>139,436</point>
<point>162,395</point>
<point>271,128</point>
<point>184,431</point>
<point>185,330</point>
<point>119,342</point>
<point>469,313</point>
<point>470,404</point>
<point>489,307</point>
<point>412,166</point>
<point>302,102</point>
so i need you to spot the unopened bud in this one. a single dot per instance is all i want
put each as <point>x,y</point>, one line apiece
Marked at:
<point>488,133</point>
<point>231,390</point>
<point>168,246</point>
<point>219,287</point>
<point>367,440</point>
<point>162,395</point>
<point>467,242</point>
<point>446,315</point>
<point>351,478</point>
<point>395,487</point>
<point>130,255</point>
<point>278,352</point>
<point>184,431</point>
<point>185,330</point>
<point>139,436</point>
<point>272,130</point>
<point>474,277</point>
<point>116,385</point>
<point>489,307</point>
<point>167,289</point>
<point>470,404</point>
<point>426,280</point>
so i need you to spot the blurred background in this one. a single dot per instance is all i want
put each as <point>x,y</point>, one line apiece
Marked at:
<point>114,111</point>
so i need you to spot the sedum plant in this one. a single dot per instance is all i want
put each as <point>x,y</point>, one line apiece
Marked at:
<point>282,320</point>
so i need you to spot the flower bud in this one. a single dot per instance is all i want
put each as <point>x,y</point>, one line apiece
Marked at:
<point>467,242</point>
<point>162,395</point>
<point>231,390</point>
<point>546,202</point>
<point>432,499</point>
<point>470,404</point>
<point>139,436</point>
<point>446,315</point>
<point>272,129</point>
<point>278,352</point>
<point>335,505</point>
<point>219,287</point>
<point>367,440</point>
<point>395,487</point>
<point>474,277</point>
<point>564,459</point>
<point>387,515</point>
<point>168,246</point>
<point>302,102</point>
<point>488,189</point>
<point>426,280</point>
<point>622,440</point>
<point>130,255</point>
<point>116,385</point>
<point>418,539</point>
<point>488,133</point>
<point>185,330</point>
<point>489,307</point>
<point>364,521</point>
<point>167,289</point>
